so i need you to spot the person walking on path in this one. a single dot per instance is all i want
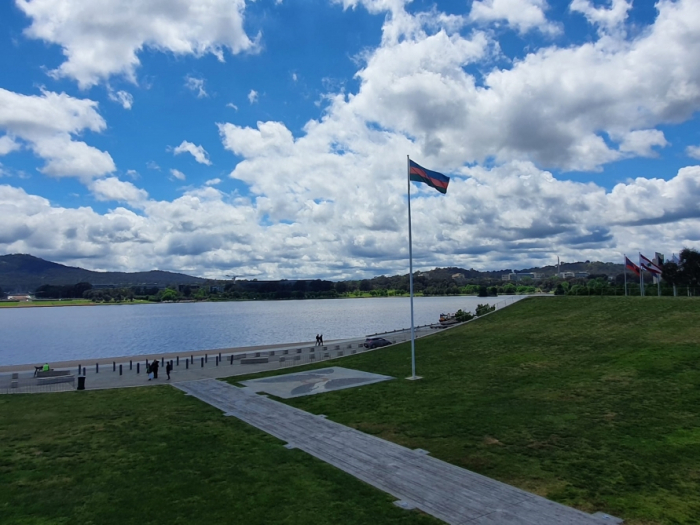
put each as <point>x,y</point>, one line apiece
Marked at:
<point>169,368</point>
<point>320,340</point>
<point>154,368</point>
<point>317,338</point>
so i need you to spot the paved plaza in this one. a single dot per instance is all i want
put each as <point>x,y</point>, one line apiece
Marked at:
<point>313,382</point>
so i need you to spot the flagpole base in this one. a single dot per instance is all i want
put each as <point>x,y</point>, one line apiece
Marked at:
<point>414,378</point>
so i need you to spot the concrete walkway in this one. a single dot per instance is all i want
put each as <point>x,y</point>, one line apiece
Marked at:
<point>105,373</point>
<point>452,494</point>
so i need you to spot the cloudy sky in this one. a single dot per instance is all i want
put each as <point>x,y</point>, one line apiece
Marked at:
<point>269,138</point>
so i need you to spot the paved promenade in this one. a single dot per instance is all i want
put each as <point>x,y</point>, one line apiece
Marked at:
<point>452,494</point>
<point>129,372</point>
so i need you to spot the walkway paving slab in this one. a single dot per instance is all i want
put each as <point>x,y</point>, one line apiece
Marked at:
<point>450,493</point>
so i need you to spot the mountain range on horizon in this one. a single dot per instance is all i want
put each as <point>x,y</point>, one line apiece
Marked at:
<point>25,273</point>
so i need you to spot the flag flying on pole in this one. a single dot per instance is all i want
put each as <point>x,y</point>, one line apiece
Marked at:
<point>431,178</point>
<point>631,266</point>
<point>649,266</point>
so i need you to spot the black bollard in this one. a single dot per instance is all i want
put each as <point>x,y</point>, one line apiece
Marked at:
<point>187,364</point>
<point>202,362</point>
<point>219,356</point>
<point>231,358</point>
<point>79,369</point>
<point>97,368</point>
<point>192,359</point>
<point>114,366</point>
<point>120,369</point>
<point>138,368</point>
<point>162,361</point>
<point>217,361</point>
<point>206,358</point>
<point>131,364</point>
<point>84,371</point>
<point>178,360</point>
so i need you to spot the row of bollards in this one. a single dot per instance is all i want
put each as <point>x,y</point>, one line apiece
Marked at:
<point>203,360</point>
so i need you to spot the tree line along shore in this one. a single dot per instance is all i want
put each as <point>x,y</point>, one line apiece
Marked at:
<point>682,278</point>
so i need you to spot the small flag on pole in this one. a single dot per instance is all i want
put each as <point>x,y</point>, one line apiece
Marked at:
<point>431,178</point>
<point>631,266</point>
<point>649,266</point>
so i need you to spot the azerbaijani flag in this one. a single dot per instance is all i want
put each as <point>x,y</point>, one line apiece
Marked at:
<point>431,178</point>
<point>631,266</point>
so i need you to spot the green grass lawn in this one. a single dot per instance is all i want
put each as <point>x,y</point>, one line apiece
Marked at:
<point>61,302</point>
<point>154,455</point>
<point>591,401</point>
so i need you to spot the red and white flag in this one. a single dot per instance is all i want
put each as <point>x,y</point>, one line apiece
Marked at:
<point>649,266</point>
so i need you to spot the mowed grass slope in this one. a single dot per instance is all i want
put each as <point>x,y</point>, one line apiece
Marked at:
<point>593,402</point>
<point>155,456</point>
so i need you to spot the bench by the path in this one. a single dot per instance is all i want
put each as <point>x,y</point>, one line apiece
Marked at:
<point>450,493</point>
<point>52,373</point>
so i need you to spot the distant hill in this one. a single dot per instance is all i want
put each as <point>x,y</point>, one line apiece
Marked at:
<point>591,267</point>
<point>25,273</point>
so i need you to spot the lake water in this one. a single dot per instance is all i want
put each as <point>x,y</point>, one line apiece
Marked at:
<point>34,335</point>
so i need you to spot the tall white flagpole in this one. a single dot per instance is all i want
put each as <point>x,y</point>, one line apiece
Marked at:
<point>641,276</point>
<point>410,270</point>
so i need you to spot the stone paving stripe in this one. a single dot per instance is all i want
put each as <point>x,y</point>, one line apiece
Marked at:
<point>450,493</point>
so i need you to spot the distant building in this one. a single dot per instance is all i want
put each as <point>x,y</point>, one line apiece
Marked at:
<point>572,275</point>
<point>520,276</point>
<point>21,297</point>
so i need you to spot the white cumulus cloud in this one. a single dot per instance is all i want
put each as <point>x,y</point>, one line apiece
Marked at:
<point>522,15</point>
<point>113,189</point>
<point>196,85</point>
<point>693,151</point>
<point>124,98</point>
<point>49,123</point>
<point>177,174</point>
<point>101,39</point>
<point>198,152</point>
<point>8,144</point>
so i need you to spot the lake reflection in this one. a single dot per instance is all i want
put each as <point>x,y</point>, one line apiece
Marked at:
<point>34,335</point>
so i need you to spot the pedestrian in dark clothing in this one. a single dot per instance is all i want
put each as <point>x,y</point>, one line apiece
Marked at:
<point>169,368</point>
<point>320,340</point>
<point>316,340</point>
<point>154,368</point>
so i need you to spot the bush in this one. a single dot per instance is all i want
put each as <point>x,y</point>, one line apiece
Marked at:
<point>462,316</point>
<point>482,309</point>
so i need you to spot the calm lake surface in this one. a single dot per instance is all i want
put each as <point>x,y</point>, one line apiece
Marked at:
<point>37,335</point>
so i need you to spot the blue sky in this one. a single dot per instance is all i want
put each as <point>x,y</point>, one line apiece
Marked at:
<point>270,138</point>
